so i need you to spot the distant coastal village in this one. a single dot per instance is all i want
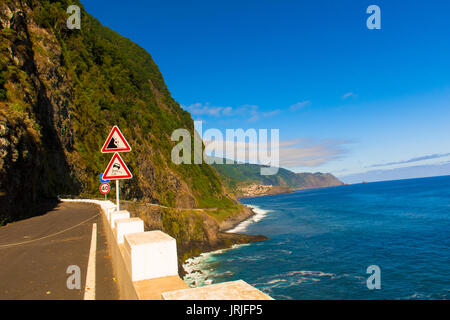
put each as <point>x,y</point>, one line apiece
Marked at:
<point>255,190</point>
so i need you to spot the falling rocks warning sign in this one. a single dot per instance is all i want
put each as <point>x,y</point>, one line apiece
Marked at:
<point>115,142</point>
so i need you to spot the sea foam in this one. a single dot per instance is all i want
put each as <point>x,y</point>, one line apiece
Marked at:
<point>200,269</point>
<point>259,214</point>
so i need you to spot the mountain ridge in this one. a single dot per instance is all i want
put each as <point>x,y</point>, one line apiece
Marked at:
<point>237,175</point>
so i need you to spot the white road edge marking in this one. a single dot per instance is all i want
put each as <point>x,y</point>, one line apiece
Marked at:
<point>89,291</point>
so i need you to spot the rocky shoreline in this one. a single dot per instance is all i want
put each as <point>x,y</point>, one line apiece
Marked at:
<point>193,272</point>
<point>233,221</point>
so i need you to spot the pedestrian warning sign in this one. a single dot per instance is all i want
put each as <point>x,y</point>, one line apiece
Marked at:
<point>115,142</point>
<point>117,169</point>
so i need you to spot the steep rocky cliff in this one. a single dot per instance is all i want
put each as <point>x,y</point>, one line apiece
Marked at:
<point>62,90</point>
<point>305,180</point>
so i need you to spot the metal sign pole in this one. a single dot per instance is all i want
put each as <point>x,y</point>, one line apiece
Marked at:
<point>117,195</point>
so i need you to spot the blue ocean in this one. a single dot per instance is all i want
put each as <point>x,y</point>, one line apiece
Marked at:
<point>323,241</point>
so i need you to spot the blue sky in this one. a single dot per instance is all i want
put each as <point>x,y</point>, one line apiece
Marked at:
<point>356,99</point>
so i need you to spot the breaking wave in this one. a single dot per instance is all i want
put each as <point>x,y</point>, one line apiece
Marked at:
<point>259,214</point>
<point>200,270</point>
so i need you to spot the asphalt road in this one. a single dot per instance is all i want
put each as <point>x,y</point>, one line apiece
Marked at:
<point>36,253</point>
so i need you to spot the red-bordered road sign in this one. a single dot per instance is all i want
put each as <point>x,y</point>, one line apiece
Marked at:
<point>115,142</point>
<point>117,169</point>
<point>105,188</point>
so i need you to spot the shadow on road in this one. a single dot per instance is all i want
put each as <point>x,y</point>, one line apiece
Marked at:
<point>42,207</point>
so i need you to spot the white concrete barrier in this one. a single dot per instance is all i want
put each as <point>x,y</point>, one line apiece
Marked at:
<point>109,210</point>
<point>106,204</point>
<point>128,226</point>
<point>122,214</point>
<point>233,290</point>
<point>151,254</point>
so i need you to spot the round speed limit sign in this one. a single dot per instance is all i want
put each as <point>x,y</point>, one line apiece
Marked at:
<point>105,188</point>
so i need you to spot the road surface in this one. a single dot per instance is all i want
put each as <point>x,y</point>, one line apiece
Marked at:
<point>35,254</point>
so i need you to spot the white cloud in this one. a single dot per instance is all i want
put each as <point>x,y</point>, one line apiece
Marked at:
<point>300,105</point>
<point>416,159</point>
<point>349,95</point>
<point>199,109</point>
<point>308,153</point>
<point>271,113</point>
<point>249,111</point>
<point>298,152</point>
<point>227,111</point>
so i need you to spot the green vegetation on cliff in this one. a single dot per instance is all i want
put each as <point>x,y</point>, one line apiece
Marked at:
<point>239,174</point>
<point>62,90</point>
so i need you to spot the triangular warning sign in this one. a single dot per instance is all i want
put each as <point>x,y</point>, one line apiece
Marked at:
<point>117,169</point>
<point>116,142</point>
